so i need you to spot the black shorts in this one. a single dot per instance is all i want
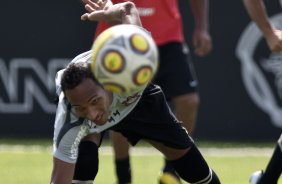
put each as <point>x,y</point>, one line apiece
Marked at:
<point>152,119</point>
<point>176,74</point>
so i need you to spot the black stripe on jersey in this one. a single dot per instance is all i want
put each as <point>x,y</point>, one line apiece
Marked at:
<point>67,125</point>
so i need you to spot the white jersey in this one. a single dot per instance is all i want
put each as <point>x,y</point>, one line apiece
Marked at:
<point>70,129</point>
<point>280,142</point>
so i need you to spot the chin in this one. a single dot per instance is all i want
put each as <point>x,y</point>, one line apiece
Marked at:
<point>100,122</point>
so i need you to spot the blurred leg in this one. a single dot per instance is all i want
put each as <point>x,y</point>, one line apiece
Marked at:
<point>86,167</point>
<point>186,109</point>
<point>274,166</point>
<point>189,164</point>
<point>122,160</point>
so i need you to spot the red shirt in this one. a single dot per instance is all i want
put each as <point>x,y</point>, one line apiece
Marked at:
<point>160,17</point>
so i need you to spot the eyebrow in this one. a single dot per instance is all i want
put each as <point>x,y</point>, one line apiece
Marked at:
<point>91,98</point>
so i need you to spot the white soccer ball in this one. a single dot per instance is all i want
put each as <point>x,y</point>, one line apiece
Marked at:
<point>125,58</point>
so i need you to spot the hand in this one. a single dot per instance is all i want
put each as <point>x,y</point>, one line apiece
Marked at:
<point>274,40</point>
<point>95,6</point>
<point>202,42</point>
<point>104,10</point>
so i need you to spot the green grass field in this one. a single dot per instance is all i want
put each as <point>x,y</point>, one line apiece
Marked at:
<point>29,164</point>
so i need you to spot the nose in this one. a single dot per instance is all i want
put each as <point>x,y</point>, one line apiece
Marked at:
<point>92,114</point>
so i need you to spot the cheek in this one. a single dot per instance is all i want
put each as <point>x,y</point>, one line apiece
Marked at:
<point>107,102</point>
<point>81,114</point>
<point>106,105</point>
<point>101,106</point>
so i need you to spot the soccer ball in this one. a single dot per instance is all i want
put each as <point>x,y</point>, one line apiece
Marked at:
<point>125,59</point>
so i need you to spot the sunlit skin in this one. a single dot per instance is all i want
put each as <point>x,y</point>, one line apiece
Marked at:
<point>89,100</point>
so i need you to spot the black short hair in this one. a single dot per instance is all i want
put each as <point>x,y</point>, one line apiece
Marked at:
<point>75,73</point>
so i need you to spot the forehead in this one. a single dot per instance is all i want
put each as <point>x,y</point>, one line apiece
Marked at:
<point>86,90</point>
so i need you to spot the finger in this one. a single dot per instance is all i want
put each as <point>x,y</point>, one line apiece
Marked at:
<point>84,16</point>
<point>94,1</point>
<point>207,48</point>
<point>195,42</point>
<point>199,52</point>
<point>280,46</point>
<point>208,45</point>
<point>198,49</point>
<point>91,3</point>
<point>276,48</point>
<point>94,5</point>
<point>101,2</point>
<point>96,16</point>
<point>203,49</point>
<point>89,8</point>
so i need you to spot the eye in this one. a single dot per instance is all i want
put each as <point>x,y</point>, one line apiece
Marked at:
<point>94,101</point>
<point>79,110</point>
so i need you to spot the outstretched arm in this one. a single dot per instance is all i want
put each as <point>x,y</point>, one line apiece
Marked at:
<point>104,10</point>
<point>201,38</point>
<point>62,172</point>
<point>258,14</point>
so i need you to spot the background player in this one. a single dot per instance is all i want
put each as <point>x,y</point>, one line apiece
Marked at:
<point>85,107</point>
<point>258,14</point>
<point>176,73</point>
<point>273,36</point>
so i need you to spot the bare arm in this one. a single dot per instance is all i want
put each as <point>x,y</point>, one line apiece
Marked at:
<point>62,172</point>
<point>201,38</point>
<point>258,14</point>
<point>121,13</point>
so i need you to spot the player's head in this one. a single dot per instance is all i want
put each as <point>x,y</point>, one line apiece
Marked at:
<point>87,97</point>
<point>74,74</point>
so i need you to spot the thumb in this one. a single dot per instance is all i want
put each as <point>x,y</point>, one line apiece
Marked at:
<point>94,16</point>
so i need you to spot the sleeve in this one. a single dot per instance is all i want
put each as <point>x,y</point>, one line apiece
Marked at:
<point>58,81</point>
<point>280,142</point>
<point>68,132</point>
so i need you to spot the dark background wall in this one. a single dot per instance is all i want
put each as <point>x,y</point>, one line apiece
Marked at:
<point>40,31</point>
<point>227,110</point>
<point>48,34</point>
